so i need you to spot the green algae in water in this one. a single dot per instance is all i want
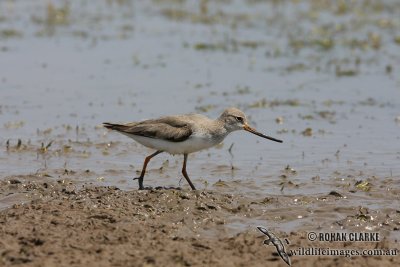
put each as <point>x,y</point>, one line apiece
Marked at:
<point>363,185</point>
<point>10,33</point>
<point>205,46</point>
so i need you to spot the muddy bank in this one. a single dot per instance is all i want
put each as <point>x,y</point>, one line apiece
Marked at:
<point>66,224</point>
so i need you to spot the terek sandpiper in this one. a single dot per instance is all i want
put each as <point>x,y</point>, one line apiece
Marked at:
<point>184,134</point>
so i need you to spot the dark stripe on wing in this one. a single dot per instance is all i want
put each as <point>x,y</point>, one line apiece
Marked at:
<point>114,126</point>
<point>169,129</point>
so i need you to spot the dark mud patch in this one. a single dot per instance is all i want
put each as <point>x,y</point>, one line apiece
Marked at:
<point>63,224</point>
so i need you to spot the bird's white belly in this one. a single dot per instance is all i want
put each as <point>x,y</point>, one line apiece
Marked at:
<point>192,144</point>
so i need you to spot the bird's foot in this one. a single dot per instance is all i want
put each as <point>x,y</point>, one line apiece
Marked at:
<point>167,188</point>
<point>145,188</point>
<point>141,187</point>
<point>159,188</point>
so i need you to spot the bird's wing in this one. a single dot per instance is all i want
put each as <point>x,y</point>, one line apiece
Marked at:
<point>167,128</point>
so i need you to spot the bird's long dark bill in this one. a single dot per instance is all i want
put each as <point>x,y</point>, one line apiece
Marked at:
<point>253,131</point>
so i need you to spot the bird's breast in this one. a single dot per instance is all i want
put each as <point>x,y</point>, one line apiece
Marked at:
<point>197,142</point>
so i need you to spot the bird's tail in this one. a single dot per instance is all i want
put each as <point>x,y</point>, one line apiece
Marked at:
<point>114,126</point>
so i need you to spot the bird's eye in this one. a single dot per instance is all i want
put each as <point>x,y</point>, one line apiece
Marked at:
<point>239,119</point>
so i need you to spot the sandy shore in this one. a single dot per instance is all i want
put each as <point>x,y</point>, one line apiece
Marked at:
<point>65,224</point>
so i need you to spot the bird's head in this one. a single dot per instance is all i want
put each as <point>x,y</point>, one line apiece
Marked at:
<point>234,119</point>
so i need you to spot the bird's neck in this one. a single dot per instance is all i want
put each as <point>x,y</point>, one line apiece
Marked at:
<point>220,129</point>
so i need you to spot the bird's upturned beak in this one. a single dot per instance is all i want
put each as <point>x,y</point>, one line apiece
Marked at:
<point>253,131</point>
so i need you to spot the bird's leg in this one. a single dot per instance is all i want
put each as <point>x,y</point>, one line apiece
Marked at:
<point>185,156</point>
<point>146,161</point>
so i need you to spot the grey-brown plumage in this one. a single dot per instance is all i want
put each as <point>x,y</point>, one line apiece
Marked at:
<point>183,134</point>
<point>166,128</point>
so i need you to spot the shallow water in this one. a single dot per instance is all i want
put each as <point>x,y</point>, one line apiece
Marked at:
<point>67,67</point>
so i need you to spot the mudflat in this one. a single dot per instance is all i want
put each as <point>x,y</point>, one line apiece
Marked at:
<point>67,224</point>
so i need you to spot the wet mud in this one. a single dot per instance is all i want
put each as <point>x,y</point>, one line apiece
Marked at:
<point>65,224</point>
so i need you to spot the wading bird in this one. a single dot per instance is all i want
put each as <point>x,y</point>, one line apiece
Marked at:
<point>184,134</point>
